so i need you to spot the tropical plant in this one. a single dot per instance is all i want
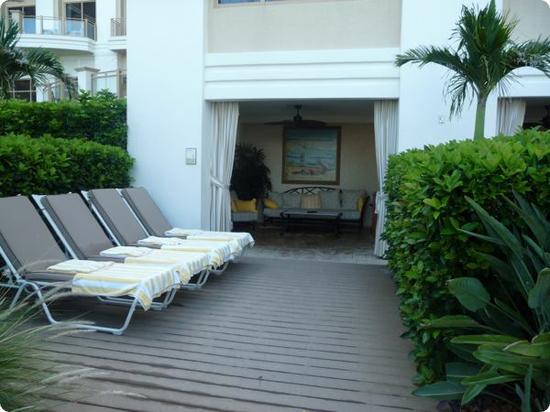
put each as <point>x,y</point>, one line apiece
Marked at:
<point>29,381</point>
<point>505,339</point>
<point>39,65</point>
<point>484,58</point>
<point>250,178</point>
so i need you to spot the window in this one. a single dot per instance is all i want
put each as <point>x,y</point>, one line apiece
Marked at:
<point>28,16</point>
<point>81,10</point>
<point>80,17</point>
<point>24,90</point>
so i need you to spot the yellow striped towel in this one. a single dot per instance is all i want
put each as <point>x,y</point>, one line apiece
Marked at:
<point>220,252</point>
<point>144,282</point>
<point>185,264</point>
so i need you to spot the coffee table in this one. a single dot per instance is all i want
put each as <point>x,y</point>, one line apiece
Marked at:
<point>301,217</point>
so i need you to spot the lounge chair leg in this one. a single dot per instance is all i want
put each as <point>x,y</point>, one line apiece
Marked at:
<point>20,290</point>
<point>221,269</point>
<point>201,280</point>
<point>49,316</point>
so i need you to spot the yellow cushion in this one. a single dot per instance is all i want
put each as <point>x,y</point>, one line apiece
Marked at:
<point>360,203</point>
<point>271,204</point>
<point>312,201</point>
<point>245,205</point>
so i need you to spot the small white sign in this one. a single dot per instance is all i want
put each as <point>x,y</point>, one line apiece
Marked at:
<point>190,156</point>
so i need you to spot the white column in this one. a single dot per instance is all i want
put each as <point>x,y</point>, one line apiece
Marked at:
<point>424,110</point>
<point>166,107</point>
<point>84,77</point>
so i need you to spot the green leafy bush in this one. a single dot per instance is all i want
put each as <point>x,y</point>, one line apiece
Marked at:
<point>427,211</point>
<point>50,165</point>
<point>504,337</point>
<point>101,119</point>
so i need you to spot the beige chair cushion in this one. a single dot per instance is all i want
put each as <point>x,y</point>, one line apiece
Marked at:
<point>312,201</point>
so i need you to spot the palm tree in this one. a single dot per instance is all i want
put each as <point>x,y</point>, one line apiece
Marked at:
<point>39,65</point>
<point>484,58</point>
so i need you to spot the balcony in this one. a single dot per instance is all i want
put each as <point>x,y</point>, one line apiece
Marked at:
<point>41,25</point>
<point>118,27</point>
<point>117,41</point>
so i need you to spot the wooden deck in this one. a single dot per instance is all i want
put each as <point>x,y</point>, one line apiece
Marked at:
<point>268,335</point>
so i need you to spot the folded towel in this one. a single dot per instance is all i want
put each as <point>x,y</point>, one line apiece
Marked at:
<point>245,239</point>
<point>159,241</point>
<point>126,251</point>
<point>179,232</point>
<point>78,266</point>
<point>144,282</point>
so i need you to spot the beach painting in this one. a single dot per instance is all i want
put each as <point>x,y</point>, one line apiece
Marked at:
<point>311,155</point>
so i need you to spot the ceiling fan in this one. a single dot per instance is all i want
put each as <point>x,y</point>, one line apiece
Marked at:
<point>298,121</point>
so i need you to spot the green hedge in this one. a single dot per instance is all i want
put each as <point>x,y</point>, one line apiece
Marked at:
<point>50,165</point>
<point>426,209</point>
<point>101,119</point>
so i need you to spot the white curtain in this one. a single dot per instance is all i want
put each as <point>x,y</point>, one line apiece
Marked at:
<point>386,117</point>
<point>225,118</point>
<point>510,116</point>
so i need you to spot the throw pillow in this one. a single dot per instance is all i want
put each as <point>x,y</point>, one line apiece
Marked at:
<point>271,204</point>
<point>350,198</point>
<point>312,201</point>
<point>245,205</point>
<point>292,200</point>
<point>276,197</point>
<point>330,199</point>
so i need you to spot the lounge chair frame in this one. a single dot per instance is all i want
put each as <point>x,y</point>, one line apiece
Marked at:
<point>202,277</point>
<point>15,280</point>
<point>215,271</point>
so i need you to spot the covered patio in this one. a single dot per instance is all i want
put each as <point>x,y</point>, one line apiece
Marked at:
<point>265,336</point>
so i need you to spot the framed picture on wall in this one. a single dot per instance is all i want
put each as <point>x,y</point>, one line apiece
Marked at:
<point>311,155</point>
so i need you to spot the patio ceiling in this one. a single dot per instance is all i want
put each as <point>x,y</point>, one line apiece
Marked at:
<point>330,111</point>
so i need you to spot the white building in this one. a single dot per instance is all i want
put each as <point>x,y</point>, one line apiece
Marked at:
<point>88,36</point>
<point>260,58</point>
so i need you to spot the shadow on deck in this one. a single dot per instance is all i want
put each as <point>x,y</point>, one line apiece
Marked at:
<point>268,335</point>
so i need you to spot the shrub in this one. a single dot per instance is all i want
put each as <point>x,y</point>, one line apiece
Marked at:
<point>504,337</point>
<point>28,380</point>
<point>101,119</point>
<point>50,165</point>
<point>427,210</point>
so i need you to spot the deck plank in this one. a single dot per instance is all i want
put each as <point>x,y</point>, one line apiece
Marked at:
<point>268,335</point>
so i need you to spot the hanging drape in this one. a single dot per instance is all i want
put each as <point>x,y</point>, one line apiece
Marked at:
<point>224,122</point>
<point>386,117</point>
<point>510,116</point>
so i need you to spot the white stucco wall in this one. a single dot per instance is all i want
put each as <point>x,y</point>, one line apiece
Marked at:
<point>358,158</point>
<point>533,18</point>
<point>303,25</point>
<point>165,110</point>
<point>423,108</point>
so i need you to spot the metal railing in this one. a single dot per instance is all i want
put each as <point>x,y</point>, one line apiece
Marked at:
<point>114,80</point>
<point>56,26</point>
<point>118,27</point>
<point>57,90</point>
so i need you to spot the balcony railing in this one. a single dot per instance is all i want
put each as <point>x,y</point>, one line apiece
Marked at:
<point>118,27</point>
<point>114,81</point>
<point>56,26</point>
